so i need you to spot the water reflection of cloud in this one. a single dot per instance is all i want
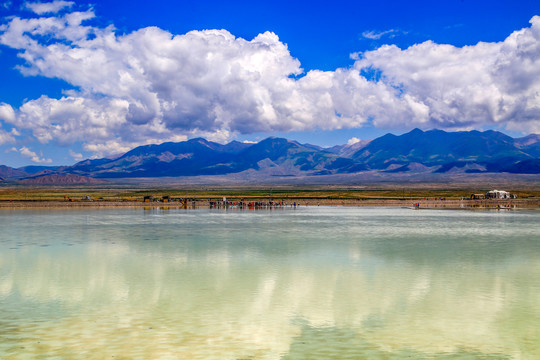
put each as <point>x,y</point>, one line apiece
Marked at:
<point>417,307</point>
<point>6,284</point>
<point>209,299</point>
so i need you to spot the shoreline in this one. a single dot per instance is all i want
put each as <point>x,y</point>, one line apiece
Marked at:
<point>423,203</point>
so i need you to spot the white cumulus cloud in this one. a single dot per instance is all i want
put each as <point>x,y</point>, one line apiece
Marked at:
<point>150,86</point>
<point>48,7</point>
<point>5,137</point>
<point>353,141</point>
<point>487,83</point>
<point>75,155</point>
<point>26,152</point>
<point>7,113</point>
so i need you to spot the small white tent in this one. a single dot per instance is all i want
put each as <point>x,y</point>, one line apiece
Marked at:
<point>499,194</point>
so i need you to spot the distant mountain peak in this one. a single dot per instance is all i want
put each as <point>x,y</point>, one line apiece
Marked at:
<point>200,140</point>
<point>417,151</point>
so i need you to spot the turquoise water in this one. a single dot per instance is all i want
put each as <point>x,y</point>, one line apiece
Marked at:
<point>305,283</point>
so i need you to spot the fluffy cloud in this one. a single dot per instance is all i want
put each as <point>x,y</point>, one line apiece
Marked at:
<point>152,86</point>
<point>75,155</point>
<point>7,113</point>
<point>6,137</point>
<point>49,7</point>
<point>353,141</point>
<point>488,83</point>
<point>26,152</point>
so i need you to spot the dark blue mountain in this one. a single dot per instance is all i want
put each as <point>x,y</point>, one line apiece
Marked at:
<point>202,157</point>
<point>529,144</point>
<point>529,166</point>
<point>416,151</point>
<point>235,147</point>
<point>194,157</point>
<point>7,172</point>
<point>437,147</point>
<point>305,158</point>
<point>34,169</point>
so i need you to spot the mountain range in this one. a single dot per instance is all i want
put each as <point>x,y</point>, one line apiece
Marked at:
<point>433,151</point>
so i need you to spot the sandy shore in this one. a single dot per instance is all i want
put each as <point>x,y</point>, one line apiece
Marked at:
<point>424,203</point>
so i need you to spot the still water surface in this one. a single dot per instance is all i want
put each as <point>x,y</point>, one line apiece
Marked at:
<point>306,283</point>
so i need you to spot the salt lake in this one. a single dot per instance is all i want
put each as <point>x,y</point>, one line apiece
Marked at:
<point>304,283</point>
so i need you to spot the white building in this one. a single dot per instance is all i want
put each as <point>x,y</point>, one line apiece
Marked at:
<point>499,194</point>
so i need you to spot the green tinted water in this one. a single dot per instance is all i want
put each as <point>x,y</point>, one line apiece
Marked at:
<point>310,283</point>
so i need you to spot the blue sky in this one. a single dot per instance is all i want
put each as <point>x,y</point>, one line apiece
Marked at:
<point>94,78</point>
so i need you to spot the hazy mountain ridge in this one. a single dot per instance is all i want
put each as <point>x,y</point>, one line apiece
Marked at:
<point>61,179</point>
<point>530,144</point>
<point>348,150</point>
<point>7,172</point>
<point>417,151</point>
<point>202,157</point>
<point>34,169</point>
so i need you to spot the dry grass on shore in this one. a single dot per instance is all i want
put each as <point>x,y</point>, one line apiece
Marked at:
<point>63,197</point>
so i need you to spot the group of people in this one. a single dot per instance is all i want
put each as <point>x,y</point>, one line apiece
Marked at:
<point>250,205</point>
